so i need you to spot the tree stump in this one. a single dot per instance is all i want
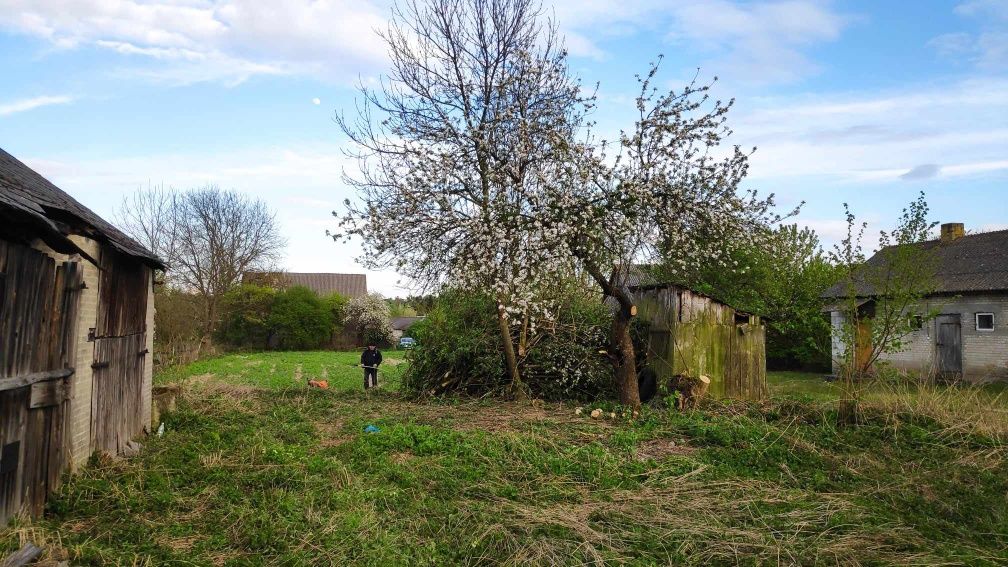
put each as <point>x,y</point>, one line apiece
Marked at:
<point>690,389</point>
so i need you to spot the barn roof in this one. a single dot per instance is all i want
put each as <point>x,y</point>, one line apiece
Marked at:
<point>348,285</point>
<point>975,263</point>
<point>32,206</point>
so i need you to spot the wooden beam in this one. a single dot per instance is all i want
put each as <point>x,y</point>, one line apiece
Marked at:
<point>23,556</point>
<point>29,379</point>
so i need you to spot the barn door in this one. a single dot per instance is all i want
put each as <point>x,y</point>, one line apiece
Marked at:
<point>38,315</point>
<point>120,353</point>
<point>948,345</point>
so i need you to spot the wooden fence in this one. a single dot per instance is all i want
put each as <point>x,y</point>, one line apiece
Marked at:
<point>38,315</point>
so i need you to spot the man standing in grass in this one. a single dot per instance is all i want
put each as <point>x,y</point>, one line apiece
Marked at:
<point>370,359</point>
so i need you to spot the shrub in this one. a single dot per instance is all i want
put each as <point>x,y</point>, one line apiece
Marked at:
<point>458,348</point>
<point>369,315</point>
<point>245,316</point>
<point>337,306</point>
<point>299,320</point>
<point>457,341</point>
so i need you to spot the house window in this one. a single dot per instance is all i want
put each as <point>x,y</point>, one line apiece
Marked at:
<point>985,321</point>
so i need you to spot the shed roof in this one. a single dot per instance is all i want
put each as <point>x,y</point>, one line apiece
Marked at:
<point>30,201</point>
<point>975,263</point>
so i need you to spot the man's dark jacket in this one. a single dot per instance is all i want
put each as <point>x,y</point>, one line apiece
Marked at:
<point>370,357</point>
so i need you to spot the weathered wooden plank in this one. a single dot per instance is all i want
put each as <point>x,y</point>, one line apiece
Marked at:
<point>46,394</point>
<point>28,553</point>
<point>29,379</point>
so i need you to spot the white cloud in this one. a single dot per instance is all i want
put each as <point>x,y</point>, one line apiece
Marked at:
<point>316,101</point>
<point>32,103</point>
<point>754,42</point>
<point>961,128</point>
<point>987,48</point>
<point>302,184</point>
<point>223,40</point>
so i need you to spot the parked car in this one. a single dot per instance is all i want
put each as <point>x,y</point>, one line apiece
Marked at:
<point>407,342</point>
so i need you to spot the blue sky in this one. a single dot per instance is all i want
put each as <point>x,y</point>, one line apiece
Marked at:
<point>863,102</point>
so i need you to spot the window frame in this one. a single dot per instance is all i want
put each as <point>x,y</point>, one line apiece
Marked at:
<point>976,320</point>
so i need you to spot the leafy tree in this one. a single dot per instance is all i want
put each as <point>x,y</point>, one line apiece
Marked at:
<point>369,315</point>
<point>881,302</point>
<point>782,281</point>
<point>245,316</point>
<point>300,320</point>
<point>337,305</point>
<point>673,192</point>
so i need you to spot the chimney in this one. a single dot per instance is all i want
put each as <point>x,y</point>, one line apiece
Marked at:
<point>952,231</point>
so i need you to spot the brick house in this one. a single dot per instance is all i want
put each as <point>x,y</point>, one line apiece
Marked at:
<point>968,338</point>
<point>76,332</point>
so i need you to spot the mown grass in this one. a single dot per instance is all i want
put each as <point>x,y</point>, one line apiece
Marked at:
<point>285,475</point>
<point>277,370</point>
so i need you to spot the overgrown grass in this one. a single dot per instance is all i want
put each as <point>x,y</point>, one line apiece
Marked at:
<point>287,476</point>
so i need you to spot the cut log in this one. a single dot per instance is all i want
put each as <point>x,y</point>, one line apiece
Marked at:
<point>24,556</point>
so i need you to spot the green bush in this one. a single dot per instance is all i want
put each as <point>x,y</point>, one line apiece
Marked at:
<point>337,306</point>
<point>245,313</point>
<point>459,348</point>
<point>299,320</point>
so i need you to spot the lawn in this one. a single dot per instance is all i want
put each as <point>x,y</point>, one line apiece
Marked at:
<point>278,370</point>
<point>256,469</point>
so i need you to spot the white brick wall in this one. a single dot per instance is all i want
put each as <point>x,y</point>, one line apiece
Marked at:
<point>985,353</point>
<point>87,317</point>
<point>148,373</point>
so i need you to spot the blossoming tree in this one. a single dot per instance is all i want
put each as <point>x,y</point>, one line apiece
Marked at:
<point>672,191</point>
<point>451,144</point>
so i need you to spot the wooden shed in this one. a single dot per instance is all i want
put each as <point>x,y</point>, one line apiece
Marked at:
<point>76,331</point>
<point>690,333</point>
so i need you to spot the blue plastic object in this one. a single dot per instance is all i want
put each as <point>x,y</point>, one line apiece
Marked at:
<point>371,429</point>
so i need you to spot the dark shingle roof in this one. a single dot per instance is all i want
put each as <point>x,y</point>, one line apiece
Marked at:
<point>30,199</point>
<point>975,263</point>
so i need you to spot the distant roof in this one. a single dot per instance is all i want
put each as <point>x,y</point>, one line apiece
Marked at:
<point>29,203</point>
<point>348,285</point>
<point>403,323</point>
<point>975,263</point>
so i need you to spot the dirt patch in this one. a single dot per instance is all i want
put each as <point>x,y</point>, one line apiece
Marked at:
<point>393,361</point>
<point>659,449</point>
<point>298,374</point>
<point>254,362</point>
<point>200,379</point>
<point>401,457</point>
<point>331,433</point>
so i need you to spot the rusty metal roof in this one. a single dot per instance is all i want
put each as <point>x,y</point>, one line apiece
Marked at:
<point>29,203</point>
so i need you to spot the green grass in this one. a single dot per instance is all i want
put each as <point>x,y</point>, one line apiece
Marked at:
<point>277,370</point>
<point>281,474</point>
<point>808,384</point>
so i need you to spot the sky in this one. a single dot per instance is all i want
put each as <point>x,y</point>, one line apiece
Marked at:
<point>862,102</point>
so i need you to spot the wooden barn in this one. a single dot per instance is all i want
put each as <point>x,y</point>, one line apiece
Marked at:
<point>692,334</point>
<point>76,331</point>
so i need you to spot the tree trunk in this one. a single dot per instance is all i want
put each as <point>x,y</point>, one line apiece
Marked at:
<point>622,353</point>
<point>510,360</point>
<point>624,360</point>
